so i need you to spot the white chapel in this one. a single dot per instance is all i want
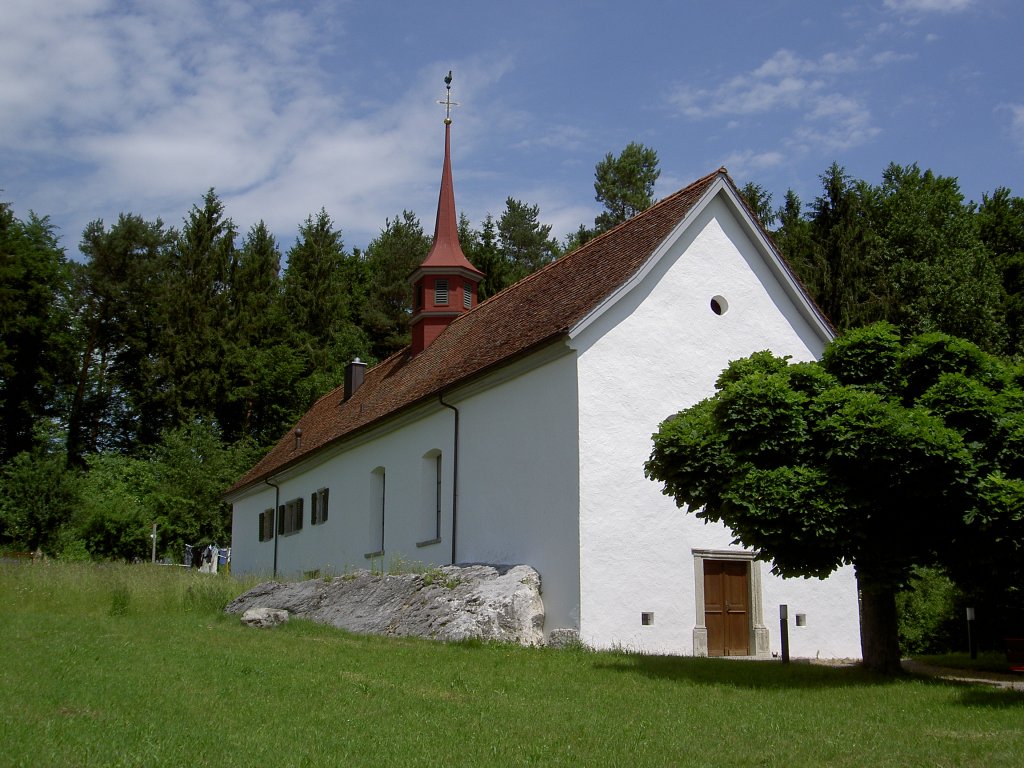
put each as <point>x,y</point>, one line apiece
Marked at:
<point>515,430</point>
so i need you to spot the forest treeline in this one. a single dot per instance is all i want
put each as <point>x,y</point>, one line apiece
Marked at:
<point>138,383</point>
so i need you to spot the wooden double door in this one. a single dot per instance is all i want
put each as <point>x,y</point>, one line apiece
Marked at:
<point>727,607</point>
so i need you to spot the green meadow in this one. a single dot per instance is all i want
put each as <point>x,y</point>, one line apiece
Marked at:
<point>138,666</point>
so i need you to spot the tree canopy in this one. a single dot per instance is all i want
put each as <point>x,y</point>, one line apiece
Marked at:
<point>908,250</point>
<point>625,184</point>
<point>159,328</point>
<point>892,452</point>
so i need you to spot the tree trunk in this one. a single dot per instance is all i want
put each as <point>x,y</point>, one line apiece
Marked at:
<point>879,640</point>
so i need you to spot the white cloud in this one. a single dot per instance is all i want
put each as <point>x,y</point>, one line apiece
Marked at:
<point>929,6</point>
<point>811,90</point>
<point>153,103</point>
<point>745,164</point>
<point>1016,112</point>
<point>837,123</point>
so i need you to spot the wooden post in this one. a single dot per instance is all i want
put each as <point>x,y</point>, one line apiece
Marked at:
<point>972,644</point>
<point>784,631</point>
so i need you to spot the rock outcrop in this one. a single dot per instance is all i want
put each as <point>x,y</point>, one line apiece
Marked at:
<point>487,602</point>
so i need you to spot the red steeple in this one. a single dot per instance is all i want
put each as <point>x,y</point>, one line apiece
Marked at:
<point>445,284</point>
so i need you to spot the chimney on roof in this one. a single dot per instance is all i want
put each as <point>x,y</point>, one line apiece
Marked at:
<point>355,372</point>
<point>298,438</point>
<point>445,284</point>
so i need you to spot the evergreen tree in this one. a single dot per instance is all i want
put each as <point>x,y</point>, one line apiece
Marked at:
<point>390,259</point>
<point>936,265</point>
<point>843,275</point>
<point>194,308</point>
<point>1000,219</point>
<point>760,201</point>
<point>261,365</point>
<point>36,349</point>
<point>117,323</point>
<point>625,184</point>
<point>322,286</point>
<point>793,237</point>
<point>525,245</point>
<point>580,237</point>
<point>481,248</point>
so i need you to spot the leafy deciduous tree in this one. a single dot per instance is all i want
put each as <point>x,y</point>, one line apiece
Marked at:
<point>887,455</point>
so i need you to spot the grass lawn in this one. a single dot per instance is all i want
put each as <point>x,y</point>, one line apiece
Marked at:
<point>119,665</point>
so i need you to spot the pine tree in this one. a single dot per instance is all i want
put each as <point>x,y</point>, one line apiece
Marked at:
<point>36,350</point>
<point>390,258</point>
<point>194,310</point>
<point>481,248</point>
<point>625,184</point>
<point>525,245</point>
<point>118,326</point>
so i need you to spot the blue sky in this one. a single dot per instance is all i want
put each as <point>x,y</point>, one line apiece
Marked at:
<point>111,106</point>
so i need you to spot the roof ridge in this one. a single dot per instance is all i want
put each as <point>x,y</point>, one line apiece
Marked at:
<point>591,244</point>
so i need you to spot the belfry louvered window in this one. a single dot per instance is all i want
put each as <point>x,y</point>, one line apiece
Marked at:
<point>440,291</point>
<point>467,297</point>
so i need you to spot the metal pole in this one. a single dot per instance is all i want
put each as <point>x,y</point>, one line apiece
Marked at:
<point>153,537</point>
<point>784,633</point>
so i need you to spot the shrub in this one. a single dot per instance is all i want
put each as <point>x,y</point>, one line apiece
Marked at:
<point>929,613</point>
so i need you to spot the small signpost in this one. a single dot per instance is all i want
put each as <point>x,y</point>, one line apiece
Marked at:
<point>784,634</point>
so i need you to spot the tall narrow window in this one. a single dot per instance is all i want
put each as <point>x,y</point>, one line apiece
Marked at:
<point>378,500</point>
<point>430,498</point>
<point>267,524</point>
<point>440,291</point>
<point>318,507</point>
<point>467,297</point>
<point>289,517</point>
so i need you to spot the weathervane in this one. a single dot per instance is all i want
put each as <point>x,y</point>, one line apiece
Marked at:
<point>448,103</point>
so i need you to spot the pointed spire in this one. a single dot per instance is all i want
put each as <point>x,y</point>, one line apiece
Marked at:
<point>446,251</point>
<point>445,284</point>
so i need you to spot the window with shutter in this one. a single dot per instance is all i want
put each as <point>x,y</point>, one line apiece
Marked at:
<point>318,507</point>
<point>290,516</point>
<point>467,297</point>
<point>440,291</point>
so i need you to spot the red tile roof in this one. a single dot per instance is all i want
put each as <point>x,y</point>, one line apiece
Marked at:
<point>514,322</point>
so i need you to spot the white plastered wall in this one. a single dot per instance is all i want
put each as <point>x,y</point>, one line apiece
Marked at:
<point>654,351</point>
<point>518,480</point>
<point>518,489</point>
<point>352,529</point>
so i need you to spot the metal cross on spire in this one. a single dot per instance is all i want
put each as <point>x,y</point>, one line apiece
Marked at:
<point>448,103</point>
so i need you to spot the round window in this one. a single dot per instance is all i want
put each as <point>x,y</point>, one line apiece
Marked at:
<point>719,305</point>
